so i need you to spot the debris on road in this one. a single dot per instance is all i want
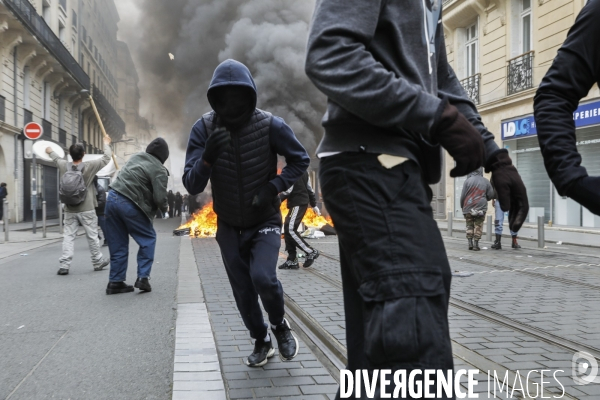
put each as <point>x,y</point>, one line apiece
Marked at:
<point>22,326</point>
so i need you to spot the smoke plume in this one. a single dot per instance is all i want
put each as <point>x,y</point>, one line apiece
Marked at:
<point>269,36</point>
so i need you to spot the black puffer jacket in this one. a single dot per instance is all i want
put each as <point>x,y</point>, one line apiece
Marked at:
<point>242,169</point>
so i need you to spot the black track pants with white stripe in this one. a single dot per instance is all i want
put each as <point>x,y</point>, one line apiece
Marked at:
<point>293,239</point>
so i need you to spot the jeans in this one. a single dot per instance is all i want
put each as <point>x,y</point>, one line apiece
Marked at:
<point>293,239</point>
<point>124,218</point>
<point>250,257</point>
<point>89,221</point>
<point>395,272</point>
<point>499,221</point>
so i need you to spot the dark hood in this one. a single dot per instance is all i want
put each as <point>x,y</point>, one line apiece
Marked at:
<point>159,149</point>
<point>233,73</point>
<point>477,172</point>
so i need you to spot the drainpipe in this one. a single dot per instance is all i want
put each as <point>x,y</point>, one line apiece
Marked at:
<point>15,66</point>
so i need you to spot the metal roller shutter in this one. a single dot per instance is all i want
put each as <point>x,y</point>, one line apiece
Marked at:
<point>531,168</point>
<point>51,191</point>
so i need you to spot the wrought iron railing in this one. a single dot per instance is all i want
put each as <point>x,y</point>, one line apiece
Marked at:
<point>520,73</point>
<point>27,116</point>
<point>62,136</point>
<point>112,121</point>
<point>47,128</point>
<point>25,11</point>
<point>471,85</point>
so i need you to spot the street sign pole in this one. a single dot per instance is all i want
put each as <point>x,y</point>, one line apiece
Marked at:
<point>34,193</point>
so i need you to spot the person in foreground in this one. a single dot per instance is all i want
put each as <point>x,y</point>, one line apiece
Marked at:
<point>236,146</point>
<point>574,71</point>
<point>78,193</point>
<point>393,102</point>
<point>135,196</point>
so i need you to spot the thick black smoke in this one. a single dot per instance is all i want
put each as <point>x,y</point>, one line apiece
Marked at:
<point>269,36</point>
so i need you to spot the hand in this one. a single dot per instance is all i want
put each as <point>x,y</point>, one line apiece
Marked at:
<point>512,194</point>
<point>48,150</point>
<point>215,145</point>
<point>586,191</point>
<point>265,196</point>
<point>316,211</point>
<point>456,134</point>
<point>107,140</point>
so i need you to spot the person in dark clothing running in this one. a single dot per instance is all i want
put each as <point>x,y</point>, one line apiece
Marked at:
<point>574,71</point>
<point>171,200</point>
<point>101,198</point>
<point>3,194</point>
<point>236,146</point>
<point>393,100</point>
<point>299,196</point>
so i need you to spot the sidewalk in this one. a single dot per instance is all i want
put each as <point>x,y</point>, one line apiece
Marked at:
<point>20,242</point>
<point>587,237</point>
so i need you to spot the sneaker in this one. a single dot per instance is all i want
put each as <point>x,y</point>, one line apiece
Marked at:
<point>63,271</point>
<point>118,287</point>
<point>290,264</point>
<point>310,258</point>
<point>286,341</point>
<point>101,266</point>
<point>143,284</point>
<point>261,354</point>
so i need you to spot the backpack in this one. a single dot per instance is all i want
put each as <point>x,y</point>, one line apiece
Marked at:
<point>72,189</point>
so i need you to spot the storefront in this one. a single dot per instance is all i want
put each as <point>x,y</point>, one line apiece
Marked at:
<point>47,189</point>
<point>519,136</point>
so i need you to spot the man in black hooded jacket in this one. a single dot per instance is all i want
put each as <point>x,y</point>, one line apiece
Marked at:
<point>393,102</point>
<point>236,146</point>
<point>573,73</point>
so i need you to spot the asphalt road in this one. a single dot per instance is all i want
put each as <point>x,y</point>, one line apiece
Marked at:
<point>62,337</point>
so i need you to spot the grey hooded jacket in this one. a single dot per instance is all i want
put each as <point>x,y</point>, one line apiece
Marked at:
<point>476,193</point>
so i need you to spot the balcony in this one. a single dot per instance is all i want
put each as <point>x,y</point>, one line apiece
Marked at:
<point>471,86</point>
<point>113,123</point>
<point>27,14</point>
<point>520,73</point>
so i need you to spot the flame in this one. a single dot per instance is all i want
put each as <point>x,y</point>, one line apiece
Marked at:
<point>203,223</point>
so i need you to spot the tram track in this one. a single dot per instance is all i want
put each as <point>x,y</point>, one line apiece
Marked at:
<point>491,316</point>
<point>333,354</point>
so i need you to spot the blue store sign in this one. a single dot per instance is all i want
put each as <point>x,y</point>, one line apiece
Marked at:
<point>585,115</point>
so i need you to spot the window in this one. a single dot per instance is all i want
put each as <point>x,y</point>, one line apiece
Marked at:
<point>46,101</point>
<point>2,109</point>
<point>83,34</point>
<point>46,11</point>
<point>74,19</point>
<point>525,26</point>
<point>63,4</point>
<point>471,50</point>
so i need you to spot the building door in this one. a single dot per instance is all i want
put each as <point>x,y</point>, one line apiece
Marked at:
<point>47,189</point>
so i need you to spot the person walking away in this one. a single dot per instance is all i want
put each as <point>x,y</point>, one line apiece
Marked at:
<point>101,200</point>
<point>572,75</point>
<point>476,193</point>
<point>236,146</point>
<point>135,196</point>
<point>178,204</point>
<point>393,102</point>
<point>3,194</point>
<point>171,200</point>
<point>499,226</point>
<point>78,193</point>
<point>298,196</point>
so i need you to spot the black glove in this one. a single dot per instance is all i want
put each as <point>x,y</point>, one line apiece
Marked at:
<point>215,145</point>
<point>586,191</point>
<point>459,137</point>
<point>265,196</point>
<point>509,186</point>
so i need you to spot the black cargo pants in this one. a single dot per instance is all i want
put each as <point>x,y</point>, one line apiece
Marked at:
<point>395,272</point>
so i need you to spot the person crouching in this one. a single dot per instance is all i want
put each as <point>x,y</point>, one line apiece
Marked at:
<point>135,196</point>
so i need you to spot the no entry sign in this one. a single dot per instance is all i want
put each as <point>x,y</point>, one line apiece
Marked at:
<point>33,131</point>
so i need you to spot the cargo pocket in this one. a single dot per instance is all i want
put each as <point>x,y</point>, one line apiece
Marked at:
<point>402,318</point>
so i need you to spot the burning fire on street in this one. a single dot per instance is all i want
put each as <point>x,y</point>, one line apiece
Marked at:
<point>204,221</point>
